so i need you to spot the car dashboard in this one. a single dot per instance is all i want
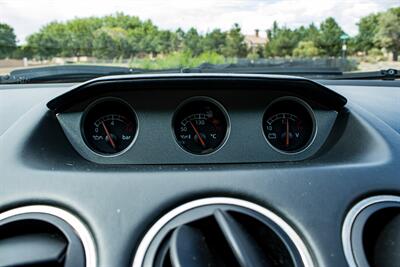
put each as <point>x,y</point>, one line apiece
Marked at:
<point>200,170</point>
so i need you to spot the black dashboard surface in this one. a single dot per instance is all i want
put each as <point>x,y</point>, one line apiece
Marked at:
<point>118,203</point>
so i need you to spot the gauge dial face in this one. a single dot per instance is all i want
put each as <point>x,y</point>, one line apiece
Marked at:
<point>288,125</point>
<point>200,126</point>
<point>109,127</point>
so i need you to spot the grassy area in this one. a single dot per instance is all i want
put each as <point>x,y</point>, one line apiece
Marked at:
<point>178,60</point>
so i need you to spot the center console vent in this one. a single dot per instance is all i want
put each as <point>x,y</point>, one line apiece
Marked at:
<point>219,232</point>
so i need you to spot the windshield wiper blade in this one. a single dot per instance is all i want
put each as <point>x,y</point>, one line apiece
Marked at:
<point>71,73</point>
<point>63,73</point>
<point>250,68</point>
<point>389,74</point>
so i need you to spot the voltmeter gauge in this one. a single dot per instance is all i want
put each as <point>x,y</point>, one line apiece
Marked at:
<point>289,125</point>
<point>109,126</point>
<point>200,125</point>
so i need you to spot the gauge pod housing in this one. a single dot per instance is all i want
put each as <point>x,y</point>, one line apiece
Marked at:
<point>226,111</point>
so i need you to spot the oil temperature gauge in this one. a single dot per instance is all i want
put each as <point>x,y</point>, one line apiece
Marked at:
<point>109,126</point>
<point>200,125</point>
<point>288,125</point>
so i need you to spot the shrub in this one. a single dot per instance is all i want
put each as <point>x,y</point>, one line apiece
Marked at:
<point>178,60</point>
<point>306,49</point>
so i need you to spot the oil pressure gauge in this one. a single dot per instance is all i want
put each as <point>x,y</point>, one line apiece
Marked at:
<point>109,126</point>
<point>289,125</point>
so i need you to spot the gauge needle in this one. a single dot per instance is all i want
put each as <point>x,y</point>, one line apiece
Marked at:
<point>109,136</point>
<point>198,134</point>
<point>287,132</point>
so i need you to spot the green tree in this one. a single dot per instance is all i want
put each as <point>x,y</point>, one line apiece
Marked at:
<point>193,42</point>
<point>169,41</point>
<point>8,40</point>
<point>146,38</point>
<point>136,41</point>
<point>274,31</point>
<point>282,42</point>
<point>235,45</point>
<point>367,29</point>
<point>311,33</point>
<point>215,41</point>
<point>110,42</point>
<point>328,40</point>
<point>79,36</point>
<point>306,49</point>
<point>121,20</point>
<point>388,34</point>
<point>50,41</point>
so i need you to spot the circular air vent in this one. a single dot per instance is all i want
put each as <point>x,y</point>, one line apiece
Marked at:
<point>371,233</point>
<point>44,236</point>
<point>221,232</point>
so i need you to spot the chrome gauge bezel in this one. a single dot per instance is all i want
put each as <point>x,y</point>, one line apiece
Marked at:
<point>310,111</point>
<point>207,99</point>
<point>90,107</point>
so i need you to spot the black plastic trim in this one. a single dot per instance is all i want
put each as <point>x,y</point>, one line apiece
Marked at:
<point>295,85</point>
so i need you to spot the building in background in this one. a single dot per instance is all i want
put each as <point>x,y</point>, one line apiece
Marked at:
<point>254,41</point>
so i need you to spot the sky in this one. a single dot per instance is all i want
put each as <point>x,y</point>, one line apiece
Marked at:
<point>28,16</point>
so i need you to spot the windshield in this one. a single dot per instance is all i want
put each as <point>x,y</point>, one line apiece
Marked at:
<point>286,37</point>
